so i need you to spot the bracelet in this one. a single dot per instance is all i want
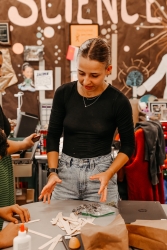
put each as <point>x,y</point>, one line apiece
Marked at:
<point>53,173</point>
<point>52,170</point>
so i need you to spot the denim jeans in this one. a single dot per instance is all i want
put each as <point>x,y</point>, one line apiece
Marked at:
<point>76,185</point>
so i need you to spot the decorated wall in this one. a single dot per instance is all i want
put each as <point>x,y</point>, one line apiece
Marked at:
<point>39,34</point>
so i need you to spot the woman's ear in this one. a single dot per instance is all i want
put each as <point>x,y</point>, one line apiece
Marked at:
<point>109,69</point>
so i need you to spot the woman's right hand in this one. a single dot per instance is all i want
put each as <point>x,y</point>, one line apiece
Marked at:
<point>28,142</point>
<point>15,146</point>
<point>49,187</point>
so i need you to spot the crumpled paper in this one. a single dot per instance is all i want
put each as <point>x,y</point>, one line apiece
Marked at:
<point>8,77</point>
<point>112,236</point>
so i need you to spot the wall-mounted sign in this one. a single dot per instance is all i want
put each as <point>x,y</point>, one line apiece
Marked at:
<point>43,79</point>
<point>4,33</point>
<point>79,33</point>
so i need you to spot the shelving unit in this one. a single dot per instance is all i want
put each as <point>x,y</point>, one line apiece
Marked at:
<point>45,110</point>
<point>23,168</point>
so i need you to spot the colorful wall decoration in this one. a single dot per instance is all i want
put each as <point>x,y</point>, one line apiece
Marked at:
<point>136,31</point>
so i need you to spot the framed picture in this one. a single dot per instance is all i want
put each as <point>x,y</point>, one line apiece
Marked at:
<point>164,114</point>
<point>79,33</point>
<point>4,33</point>
<point>33,53</point>
<point>157,106</point>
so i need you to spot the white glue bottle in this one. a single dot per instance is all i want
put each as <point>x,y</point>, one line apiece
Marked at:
<point>23,240</point>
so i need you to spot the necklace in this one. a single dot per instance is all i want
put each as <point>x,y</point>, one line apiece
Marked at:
<point>89,99</point>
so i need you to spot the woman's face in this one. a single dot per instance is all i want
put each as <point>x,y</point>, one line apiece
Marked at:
<point>28,72</point>
<point>1,61</point>
<point>91,73</point>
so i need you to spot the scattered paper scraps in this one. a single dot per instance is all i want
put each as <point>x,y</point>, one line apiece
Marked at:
<point>54,243</point>
<point>32,221</point>
<point>28,222</point>
<point>50,241</point>
<point>71,225</point>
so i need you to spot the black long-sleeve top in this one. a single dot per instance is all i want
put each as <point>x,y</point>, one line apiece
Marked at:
<point>4,123</point>
<point>88,131</point>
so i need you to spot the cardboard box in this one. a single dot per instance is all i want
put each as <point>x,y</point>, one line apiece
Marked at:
<point>22,166</point>
<point>21,196</point>
<point>22,170</point>
<point>30,195</point>
<point>24,196</point>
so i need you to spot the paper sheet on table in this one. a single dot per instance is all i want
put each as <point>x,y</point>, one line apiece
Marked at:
<point>148,234</point>
<point>112,236</point>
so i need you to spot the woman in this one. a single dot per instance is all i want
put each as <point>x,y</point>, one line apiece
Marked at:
<point>88,111</point>
<point>7,147</point>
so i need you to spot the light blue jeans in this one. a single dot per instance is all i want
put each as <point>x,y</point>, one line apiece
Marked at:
<point>76,185</point>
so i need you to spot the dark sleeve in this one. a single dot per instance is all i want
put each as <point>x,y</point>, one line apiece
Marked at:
<point>125,125</point>
<point>4,123</point>
<point>55,128</point>
<point>1,119</point>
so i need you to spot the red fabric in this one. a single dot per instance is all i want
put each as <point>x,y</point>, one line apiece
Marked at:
<point>137,175</point>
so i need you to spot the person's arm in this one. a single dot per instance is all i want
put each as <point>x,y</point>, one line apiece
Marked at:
<point>7,213</point>
<point>126,131</point>
<point>15,146</point>
<point>53,159</point>
<point>8,234</point>
<point>53,138</point>
<point>117,164</point>
<point>53,178</point>
<point>105,177</point>
<point>1,119</point>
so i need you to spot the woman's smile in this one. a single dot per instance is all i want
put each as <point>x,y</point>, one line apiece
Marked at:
<point>88,87</point>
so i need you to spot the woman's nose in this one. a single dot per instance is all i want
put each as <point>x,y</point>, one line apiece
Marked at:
<point>86,80</point>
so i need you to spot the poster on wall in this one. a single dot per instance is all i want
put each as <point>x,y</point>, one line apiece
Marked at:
<point>43,79</point>
<point>28,73</point>
<point>79,33</point>
<point>4,33</point>
<point>135,31</point>
<point>33,53</point>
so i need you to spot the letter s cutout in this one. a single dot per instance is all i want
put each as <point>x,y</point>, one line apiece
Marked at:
<point>15,18</point>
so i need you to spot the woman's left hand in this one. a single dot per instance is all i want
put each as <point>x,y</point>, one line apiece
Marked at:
<point>104,179</point>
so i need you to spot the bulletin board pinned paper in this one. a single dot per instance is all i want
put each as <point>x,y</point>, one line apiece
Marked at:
<point>43,79</point>
<point>4,33</point>
<point>79,33</point>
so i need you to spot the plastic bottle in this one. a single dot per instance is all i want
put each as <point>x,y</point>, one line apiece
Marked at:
<point>22,241</point>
